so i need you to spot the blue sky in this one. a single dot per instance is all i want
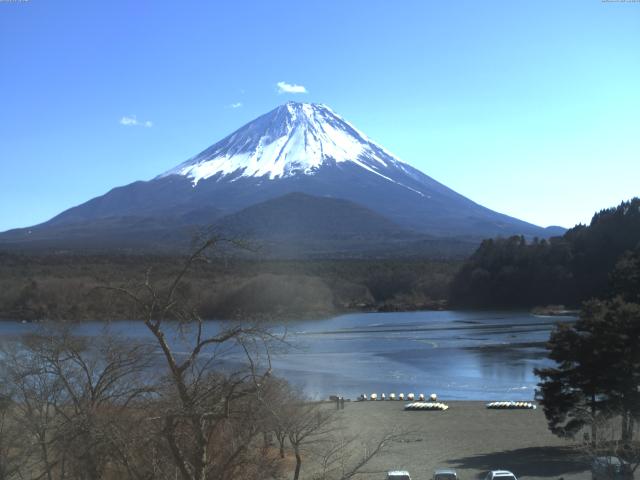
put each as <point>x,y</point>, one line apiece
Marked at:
<point>529,108</point>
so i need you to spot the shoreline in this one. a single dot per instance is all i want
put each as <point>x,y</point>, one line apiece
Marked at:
<point>435,306</point>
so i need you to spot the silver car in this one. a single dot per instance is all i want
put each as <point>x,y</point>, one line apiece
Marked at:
<point>445,474</point>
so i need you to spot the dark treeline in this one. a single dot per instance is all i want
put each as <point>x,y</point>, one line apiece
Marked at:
<point>567,270</point>
<point>69,287</point>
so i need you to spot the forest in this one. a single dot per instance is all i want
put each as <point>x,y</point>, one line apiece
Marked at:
<point>72,287</point>
<point>512,272</point>
<point>582,264</point>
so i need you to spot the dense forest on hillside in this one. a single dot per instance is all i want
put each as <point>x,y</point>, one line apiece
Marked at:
<point>502,273</point>
<point>580,265</point>
<point>68,287</point>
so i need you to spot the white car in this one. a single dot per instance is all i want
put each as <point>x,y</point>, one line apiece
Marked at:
<point>500,475</point>
<point>398,475</point>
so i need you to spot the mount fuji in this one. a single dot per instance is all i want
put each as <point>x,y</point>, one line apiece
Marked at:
<point>299,173</point>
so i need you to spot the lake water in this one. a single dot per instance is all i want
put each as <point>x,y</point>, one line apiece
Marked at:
<point>458,355</point>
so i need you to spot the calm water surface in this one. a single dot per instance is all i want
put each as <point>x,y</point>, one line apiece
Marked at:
<point>458,355</point>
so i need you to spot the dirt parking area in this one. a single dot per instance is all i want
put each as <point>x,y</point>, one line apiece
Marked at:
<point>467,437</point>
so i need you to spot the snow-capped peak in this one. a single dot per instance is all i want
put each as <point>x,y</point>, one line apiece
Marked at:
<point>295,138</point>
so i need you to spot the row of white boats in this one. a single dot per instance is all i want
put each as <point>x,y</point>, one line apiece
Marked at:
<point>392,396</point>
<point>420,403</point>
<point>426,406</point>
<point>511,405</point>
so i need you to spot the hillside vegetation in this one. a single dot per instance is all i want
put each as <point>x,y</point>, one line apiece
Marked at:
<point>69,287</point>
<point>580,265</point>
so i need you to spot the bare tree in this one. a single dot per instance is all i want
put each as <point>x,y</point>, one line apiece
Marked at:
<point>278,400</point>
<point>71,400</point>
<point>11,460</point>
<point>309,425</point>
<point>98,384</point>
<point>344,456</point>
<point>315,434</point>
<point>35,395</point>
<point>202,406</point>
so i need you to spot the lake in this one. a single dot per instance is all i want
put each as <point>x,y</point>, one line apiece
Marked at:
<point>458,355</point>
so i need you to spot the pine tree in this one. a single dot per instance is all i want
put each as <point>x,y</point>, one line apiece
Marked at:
<point>597,371</point>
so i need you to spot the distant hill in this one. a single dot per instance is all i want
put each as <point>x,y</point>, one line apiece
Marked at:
<point>514,272</point>
<point>300,225</point>
<point>298,215</point>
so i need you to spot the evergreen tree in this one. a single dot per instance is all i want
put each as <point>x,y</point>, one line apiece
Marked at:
<point>625,278</point>
<point>598,369</point>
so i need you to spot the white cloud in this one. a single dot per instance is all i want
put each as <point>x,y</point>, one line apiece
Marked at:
<point>128,121</point>
<point>236,105</point>
<point>132,121</point>
<point>284,87</point>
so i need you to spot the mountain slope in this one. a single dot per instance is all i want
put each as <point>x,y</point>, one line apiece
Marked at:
<point>296,147</point>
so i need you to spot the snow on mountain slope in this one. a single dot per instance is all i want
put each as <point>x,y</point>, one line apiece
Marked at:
<point>297,148</point>
<point>293,139</point>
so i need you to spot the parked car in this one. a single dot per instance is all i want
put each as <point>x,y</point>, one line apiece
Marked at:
<point>610,468</point>
<point>445,474</point>
<point>500,475</point>
<point>398,475</point>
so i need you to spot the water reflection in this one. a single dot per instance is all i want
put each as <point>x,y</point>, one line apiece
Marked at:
<point>459,355</point>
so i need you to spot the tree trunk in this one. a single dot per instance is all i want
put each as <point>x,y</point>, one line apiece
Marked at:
<point>281,440</point>
<point>296,474</point>
<point>45,456</point>
<point>201,460</point>
<point>594,423</point>
<point>626,427</point>
<point>202,474</point>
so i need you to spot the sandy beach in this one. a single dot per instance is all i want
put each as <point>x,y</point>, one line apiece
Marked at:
<point>467,437</point>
